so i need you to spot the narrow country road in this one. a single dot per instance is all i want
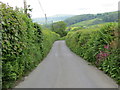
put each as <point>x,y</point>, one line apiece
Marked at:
<point>63,69</point>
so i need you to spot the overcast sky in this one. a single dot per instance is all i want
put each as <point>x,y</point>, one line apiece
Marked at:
<point>53,7</point>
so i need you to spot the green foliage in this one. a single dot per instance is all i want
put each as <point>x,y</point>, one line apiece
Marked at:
<point>110,17</point>
<point>87,23</point>
<point>79,18</point>
<point>24,44</point>
<point>62,38</point>
<point>73,28</point>
<point>59,27</point>
<point>48,39</point>
<point>98,25</point>
<point>111,65</point>
<point>96,46</point>
<point>92,19</point>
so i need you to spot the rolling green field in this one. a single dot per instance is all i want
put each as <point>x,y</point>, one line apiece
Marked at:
<point>87,23</point>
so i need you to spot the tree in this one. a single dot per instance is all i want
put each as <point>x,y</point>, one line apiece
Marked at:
<point>59,27</point>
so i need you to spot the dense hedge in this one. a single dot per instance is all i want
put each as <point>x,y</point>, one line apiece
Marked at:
<point>99,47</point>
<point>24,44</point>
<point>48,38</point>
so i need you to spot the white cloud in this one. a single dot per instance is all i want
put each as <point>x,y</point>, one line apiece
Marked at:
<point>52,7</point>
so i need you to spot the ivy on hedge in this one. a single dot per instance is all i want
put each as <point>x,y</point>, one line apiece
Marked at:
<point>98,46</point>
<point>24,44</point>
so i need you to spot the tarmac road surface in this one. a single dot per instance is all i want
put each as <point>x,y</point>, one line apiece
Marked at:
<point>63,69</point>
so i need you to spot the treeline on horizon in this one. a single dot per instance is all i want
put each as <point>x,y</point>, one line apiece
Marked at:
<point>104,17</point>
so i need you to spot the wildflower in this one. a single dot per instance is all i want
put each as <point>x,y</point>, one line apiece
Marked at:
<point>106,46</point>
<point>102,55</point>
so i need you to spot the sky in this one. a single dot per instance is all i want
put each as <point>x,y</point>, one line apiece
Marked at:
<point>69,7</point>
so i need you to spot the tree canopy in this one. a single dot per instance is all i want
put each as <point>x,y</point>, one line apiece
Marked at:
<point>59,27</point>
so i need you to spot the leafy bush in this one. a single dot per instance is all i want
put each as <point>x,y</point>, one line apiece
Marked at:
<point>24,44</point>
<point>59,27</point>
<point>48,39</point>
<point>98,46</point>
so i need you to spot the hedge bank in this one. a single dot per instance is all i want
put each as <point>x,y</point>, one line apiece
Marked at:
<point>98,46</point>
<point>24,44</point>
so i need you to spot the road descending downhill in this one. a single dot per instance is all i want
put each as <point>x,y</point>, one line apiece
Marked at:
<point>63,69</point>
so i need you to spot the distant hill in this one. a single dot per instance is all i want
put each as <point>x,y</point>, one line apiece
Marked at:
<point>88,23</point>
<point>52,19</point>
<point>92,19</point>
